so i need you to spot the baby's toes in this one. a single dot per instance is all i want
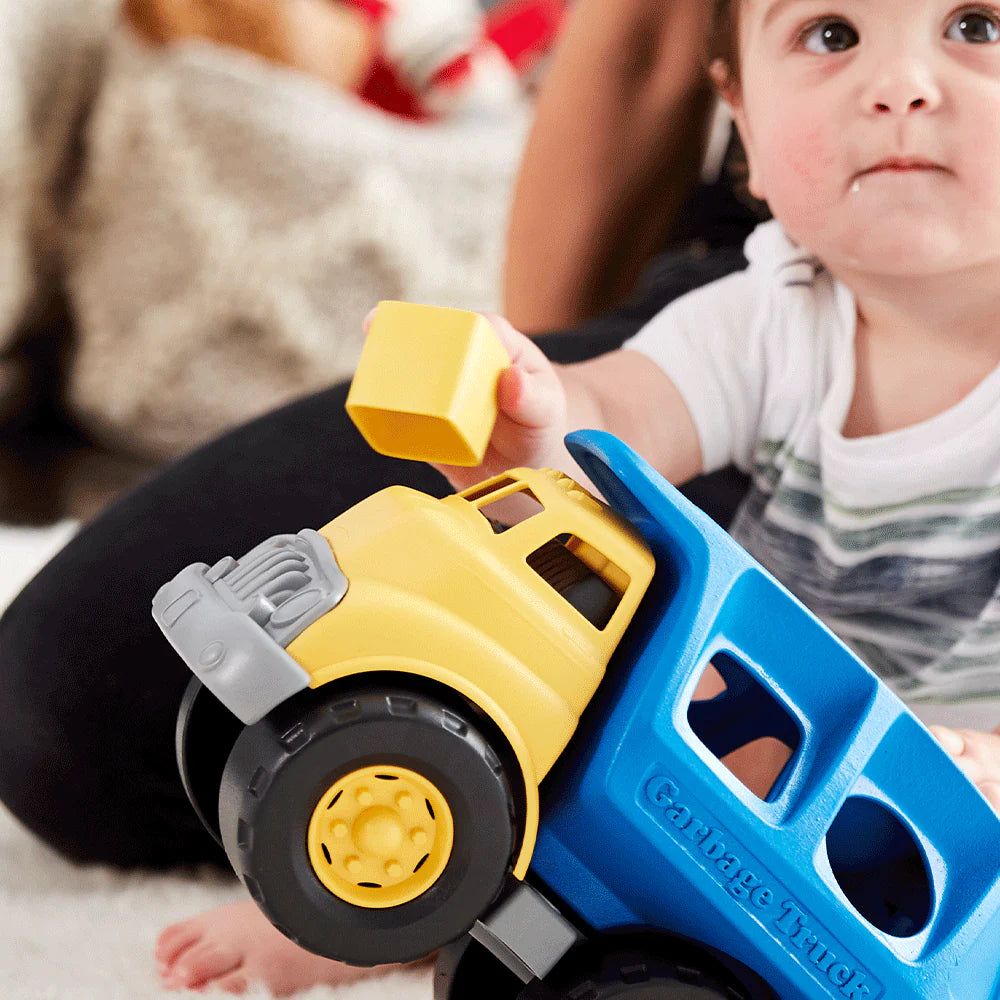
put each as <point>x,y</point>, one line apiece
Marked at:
<point>173,941</point>
<point>232,982</point>
<point>200,965</point>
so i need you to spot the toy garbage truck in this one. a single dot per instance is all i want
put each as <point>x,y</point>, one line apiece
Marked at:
<point>376,706</point>
<point>441,651</point>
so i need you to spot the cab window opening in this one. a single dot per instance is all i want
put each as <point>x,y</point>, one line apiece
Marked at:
<point>487,489</point>
<point>588,581</point>
<point>511,509</point>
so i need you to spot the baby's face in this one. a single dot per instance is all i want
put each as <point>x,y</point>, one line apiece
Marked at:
<point>872,129</point>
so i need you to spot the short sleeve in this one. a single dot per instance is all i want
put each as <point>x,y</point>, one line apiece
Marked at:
<point>708,343</point>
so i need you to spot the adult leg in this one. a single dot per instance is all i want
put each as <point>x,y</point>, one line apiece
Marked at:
<point>92,688</point>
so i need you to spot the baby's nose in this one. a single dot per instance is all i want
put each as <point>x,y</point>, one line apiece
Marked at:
<point>901,88</point>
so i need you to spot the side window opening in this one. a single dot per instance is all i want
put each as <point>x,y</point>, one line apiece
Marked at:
<point>880,867</point>
<point>582,575</point>
<point>739,721</point>
<point>510,509</point>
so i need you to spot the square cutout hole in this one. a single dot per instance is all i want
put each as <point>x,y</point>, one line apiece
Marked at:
<point>739,721</point>
<point>509,509</point>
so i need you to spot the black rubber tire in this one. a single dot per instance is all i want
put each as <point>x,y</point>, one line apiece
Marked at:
<point>467,970</point>
<point>646,967</point>
<point>205,734</point>
<point>668,969</point>
<point>647,979</point>
<point>281,766</point>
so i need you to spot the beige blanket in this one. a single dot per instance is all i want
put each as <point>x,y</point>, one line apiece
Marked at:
<point>217,227</point>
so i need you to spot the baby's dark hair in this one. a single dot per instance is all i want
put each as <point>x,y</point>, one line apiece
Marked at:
<point>723,39</point>
<point>723,44</point>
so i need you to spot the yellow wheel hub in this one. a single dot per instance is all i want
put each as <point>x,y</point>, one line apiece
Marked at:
<point>380,836</point>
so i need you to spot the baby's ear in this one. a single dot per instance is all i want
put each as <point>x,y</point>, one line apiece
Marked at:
<point>728,86</point>
<point>724,79</point>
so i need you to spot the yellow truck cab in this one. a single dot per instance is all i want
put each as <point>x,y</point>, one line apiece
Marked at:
<point>520,617</point>
<point>484,620</point>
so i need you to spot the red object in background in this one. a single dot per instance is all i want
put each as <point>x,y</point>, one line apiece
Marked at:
<point>523,30</point>
<point>373,8</point>
<point>385,90</point>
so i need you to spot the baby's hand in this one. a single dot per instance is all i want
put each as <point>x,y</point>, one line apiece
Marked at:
<point>978,755</point>
<point>531,419</point>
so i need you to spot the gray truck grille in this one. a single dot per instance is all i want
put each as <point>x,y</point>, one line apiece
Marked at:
<point>284,584</point>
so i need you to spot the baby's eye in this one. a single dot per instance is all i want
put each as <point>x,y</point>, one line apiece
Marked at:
<point>828,35</point>
<point>979,27</point>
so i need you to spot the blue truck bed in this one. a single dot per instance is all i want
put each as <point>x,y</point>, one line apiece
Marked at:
<point>870,869</point>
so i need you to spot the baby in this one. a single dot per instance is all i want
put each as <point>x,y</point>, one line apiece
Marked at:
<point>853,368</point>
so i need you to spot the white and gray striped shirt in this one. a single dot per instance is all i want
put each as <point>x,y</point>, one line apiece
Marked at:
<point>894,539</point>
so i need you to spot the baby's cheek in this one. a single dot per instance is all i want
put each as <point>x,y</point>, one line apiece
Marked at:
<point>802,171</point>
<point>979,175</point>
<point>807,150</point>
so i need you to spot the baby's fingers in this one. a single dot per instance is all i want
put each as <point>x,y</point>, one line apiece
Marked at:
<point>991,791</point>
<point>950,739</point>
<point>521,350</point>
<point>530,400</point>
<point>978,755</point>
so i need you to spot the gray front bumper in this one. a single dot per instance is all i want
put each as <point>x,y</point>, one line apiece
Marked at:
<point>230,622</point>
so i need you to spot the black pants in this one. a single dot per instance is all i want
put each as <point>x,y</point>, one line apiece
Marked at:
<point>91,688</point>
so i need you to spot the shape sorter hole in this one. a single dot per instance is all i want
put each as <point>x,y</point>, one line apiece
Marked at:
<point>879,867</point>
<point>739,721</point>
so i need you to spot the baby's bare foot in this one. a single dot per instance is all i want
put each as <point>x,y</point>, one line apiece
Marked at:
<point>234,946</point>
<point>978,755</point>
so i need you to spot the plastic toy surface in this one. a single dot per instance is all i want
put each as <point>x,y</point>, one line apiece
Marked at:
<point>399,683</point>
<point>426,382</point>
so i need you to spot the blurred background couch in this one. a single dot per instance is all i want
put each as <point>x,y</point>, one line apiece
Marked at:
<point>195,215</point>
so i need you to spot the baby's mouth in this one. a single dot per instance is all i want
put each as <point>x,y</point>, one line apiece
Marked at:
<point>901,165</point>
<point>897,166</point>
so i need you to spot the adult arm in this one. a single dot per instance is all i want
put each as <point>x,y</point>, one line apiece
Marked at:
<point>617,143</point>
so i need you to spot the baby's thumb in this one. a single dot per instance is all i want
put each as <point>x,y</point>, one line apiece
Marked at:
<point>527,398</point>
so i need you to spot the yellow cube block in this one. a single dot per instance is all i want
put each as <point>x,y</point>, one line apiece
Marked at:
<point>426,384</point>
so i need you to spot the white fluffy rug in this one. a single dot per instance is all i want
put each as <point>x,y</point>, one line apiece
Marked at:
<point>70,933</point>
